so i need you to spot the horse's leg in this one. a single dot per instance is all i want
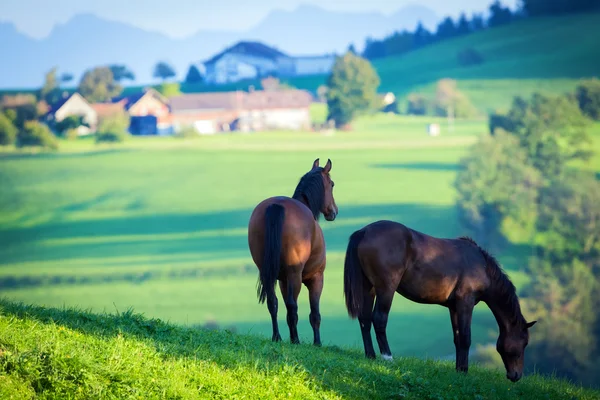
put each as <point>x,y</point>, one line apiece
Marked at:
<point>294,283</point>
<point>365,319</point>
<point>461,321</point>
<point>315,288</point>
<point>272,305</point>
<point>383,303</point>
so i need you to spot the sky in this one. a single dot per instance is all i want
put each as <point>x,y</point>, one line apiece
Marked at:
<point>180,18</point>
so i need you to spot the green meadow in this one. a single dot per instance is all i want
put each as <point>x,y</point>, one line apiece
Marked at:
<point>159,224</point>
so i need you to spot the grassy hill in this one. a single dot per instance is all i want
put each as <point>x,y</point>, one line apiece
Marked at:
<point>68,353</point>
<point>159,224</point>
<point>547,54</point>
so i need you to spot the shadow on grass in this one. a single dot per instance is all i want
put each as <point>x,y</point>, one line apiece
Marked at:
<point>50,154</point>
<point>172,234</point>
<point>346,372</point>
<point>421,166</point>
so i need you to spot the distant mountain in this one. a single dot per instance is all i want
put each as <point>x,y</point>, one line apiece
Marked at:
<point>86,41</point>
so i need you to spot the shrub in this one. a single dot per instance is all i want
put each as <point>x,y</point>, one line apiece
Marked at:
<point>113,129</point>
<point>8,132</point>
<point>469,56</point>
<point>169,89</point>
<point>588,97</point>
<point>35,133</point>
<point>417,104</point>
<point>71,134</point>
<point>187,132</point>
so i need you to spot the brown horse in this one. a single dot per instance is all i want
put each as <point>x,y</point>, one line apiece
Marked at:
<point>387,257</point>
<point>286,243</point>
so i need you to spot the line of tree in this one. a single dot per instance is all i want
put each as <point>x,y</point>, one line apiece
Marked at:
<point>406,41</point>
<point>523,183</point>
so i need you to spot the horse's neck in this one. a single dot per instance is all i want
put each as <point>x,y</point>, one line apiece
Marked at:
<point>508,315</point>
<point>303,199</point>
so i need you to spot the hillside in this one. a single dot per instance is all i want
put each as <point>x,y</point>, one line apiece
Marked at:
<point>548,54</point>
<point>67,353</point>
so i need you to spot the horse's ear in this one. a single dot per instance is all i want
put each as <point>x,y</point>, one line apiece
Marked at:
<point>316,164</point>
<point>530,324</point>
<point>327,166</point>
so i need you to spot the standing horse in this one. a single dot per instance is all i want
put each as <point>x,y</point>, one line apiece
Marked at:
<point>387,257</point>
<point>287,244</point>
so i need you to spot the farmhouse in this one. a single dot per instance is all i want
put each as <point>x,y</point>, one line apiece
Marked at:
<point>148,111</point>
<point>74,105</point>
<point>209,113</point>
<point>251,60</point>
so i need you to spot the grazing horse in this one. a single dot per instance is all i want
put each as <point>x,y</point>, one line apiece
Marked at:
<point>287,244</point>
<point>387,257</point>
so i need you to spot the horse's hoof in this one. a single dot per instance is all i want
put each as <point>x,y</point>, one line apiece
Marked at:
<point>276,338</point>
<point>317,344</point>
<point>387,357</point>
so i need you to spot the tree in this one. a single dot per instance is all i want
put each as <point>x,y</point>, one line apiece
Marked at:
<point>535,8</point>
<point>374,49</point>
<point>193,75</point>
<point>163,71</point>
<point>489,200</point>
<point>66,77</point>
<point>517,184</point>
<point>121,73</point>
<point>451,102</point>
<point>499,15</point>
<point>463,27</point>
<point>552,129</point>
<point>477,23</point>
<point>169,89</point>
<point>99,85</point>
<point>8,132</point>
<point>417,104</point>
<point>352,88</point>
<point>113,129</point>
<point>36,134</point>
<point>588,97</point>
<point>50,91</point>
<point>352,49</point>
<point>446,29</point>
<point>421,37</point>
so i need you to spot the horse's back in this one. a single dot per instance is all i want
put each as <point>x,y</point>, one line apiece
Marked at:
<point>422,268</point>
<point>297,233</point>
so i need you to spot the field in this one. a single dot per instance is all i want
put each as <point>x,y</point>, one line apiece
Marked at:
<point>159,225</point>
<point>66,353</point>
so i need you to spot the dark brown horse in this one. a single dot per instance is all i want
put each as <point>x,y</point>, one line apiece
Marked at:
<point>387,257</point>
<point>286,243</point>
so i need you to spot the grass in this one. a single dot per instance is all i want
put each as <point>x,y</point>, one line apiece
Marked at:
<point>159,224</point>
<point>69,353</point>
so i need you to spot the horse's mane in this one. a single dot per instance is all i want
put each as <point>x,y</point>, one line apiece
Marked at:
<point>502,285</point>
<point>311,189</point>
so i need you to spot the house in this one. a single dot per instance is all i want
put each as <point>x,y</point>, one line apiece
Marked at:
<point>252,60</point>
<point>74,105</point>
<point>244,60</point>
<point>209,113</point>
<point>148,111</point>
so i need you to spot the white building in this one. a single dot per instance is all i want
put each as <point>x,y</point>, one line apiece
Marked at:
<point>252,60</point>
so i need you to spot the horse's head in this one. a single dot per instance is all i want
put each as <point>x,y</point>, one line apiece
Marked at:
<point>329,208</point>
<point>511,346</point>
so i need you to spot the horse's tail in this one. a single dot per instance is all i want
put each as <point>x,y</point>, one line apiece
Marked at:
<point>354,277</point>
<point>274,216</point>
